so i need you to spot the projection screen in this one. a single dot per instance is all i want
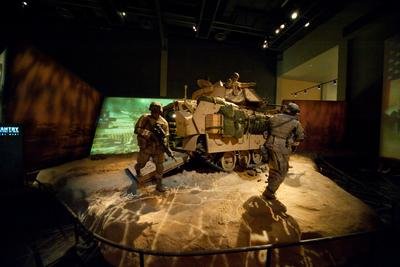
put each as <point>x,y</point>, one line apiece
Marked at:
<point>390,122</point>
<point>115,126</point>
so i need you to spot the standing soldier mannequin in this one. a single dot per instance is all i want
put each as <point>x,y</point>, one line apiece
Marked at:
<point>284,132</point>
<point>150,144</point>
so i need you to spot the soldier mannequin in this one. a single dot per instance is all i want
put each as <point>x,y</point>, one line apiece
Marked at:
<point>236,86</point>
<point>148,143</point>
<point>284,132</point>
<point>233,83</point>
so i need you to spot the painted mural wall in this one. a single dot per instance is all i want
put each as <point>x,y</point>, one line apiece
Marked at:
<point>56,109</point>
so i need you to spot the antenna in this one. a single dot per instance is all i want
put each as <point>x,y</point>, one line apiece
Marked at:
<point>185,96</point>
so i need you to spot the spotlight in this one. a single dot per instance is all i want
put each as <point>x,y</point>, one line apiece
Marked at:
<point>265,44</point>
<point>122,13</point>
<point>307,24</point>
<point>219,36</point>
<point>334,82</point>
<point>282,26</point>
<point>24,3</point>
<point>294,15</point>
<point>295,94</point>
<point>277,31</point>
<point>319,87</point>
<point>194,28</point>
<point>305,92</point>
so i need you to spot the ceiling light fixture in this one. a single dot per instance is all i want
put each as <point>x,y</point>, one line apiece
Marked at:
<point>307,24</point>
<point>282,26</point>
<point>24,3</point>
<point>277,31</point>
<point>265,44</point>
<point>306,90</point>
<point>294,15</point>
<point>194,28</point>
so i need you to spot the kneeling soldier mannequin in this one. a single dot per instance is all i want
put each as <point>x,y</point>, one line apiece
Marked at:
<point>150,144</point>
<point>284,131</point>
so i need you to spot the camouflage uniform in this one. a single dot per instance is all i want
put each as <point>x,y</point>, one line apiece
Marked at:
<point>283,130</point>
<point>150,146</point>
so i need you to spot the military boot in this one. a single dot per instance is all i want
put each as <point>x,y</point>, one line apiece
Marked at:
<point>160,187</point>
<point>137,169</point>
<point>269,195</point>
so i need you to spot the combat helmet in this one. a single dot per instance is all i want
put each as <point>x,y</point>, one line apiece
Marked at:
<point>155,105</point>
<point>292,108</point>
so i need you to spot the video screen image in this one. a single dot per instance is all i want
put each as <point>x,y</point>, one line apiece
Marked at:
<point>115,126</point>
<point>390,123</point>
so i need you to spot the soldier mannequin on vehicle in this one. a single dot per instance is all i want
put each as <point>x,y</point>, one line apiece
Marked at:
<point>150,144</point>
<point>233,83</point>
<point>236,86</point>
<point>284,133</point>
<point>235,90</point>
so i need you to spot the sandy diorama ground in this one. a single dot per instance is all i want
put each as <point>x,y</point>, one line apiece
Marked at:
<point>212,210</point>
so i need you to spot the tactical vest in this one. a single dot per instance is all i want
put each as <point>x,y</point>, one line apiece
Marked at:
<point>283,128</point>
<point>147,122</point>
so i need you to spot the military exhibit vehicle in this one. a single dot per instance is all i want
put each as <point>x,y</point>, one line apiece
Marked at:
<point>223,126</point>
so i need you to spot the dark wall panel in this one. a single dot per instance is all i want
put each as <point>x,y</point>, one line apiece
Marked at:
<point>114,65</point>
<point>56,109</point>
<point>189,60</point>
<point>364,83</point>
<point>364,94</point>
<point>126,63</point>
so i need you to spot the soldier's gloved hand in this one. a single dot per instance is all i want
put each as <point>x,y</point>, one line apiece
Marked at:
<point>146,134</point>
<point>294,147</point>
<point>296,143</point>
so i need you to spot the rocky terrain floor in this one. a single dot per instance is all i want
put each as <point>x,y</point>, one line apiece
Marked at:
<point>205,210</point>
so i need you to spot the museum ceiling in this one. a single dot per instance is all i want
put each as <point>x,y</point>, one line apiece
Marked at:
<point>245,22</point>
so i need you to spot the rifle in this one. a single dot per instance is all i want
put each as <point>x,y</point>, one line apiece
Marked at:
<point>160,135</point>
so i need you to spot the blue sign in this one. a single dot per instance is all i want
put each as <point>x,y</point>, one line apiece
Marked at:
<point>9,131</point>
